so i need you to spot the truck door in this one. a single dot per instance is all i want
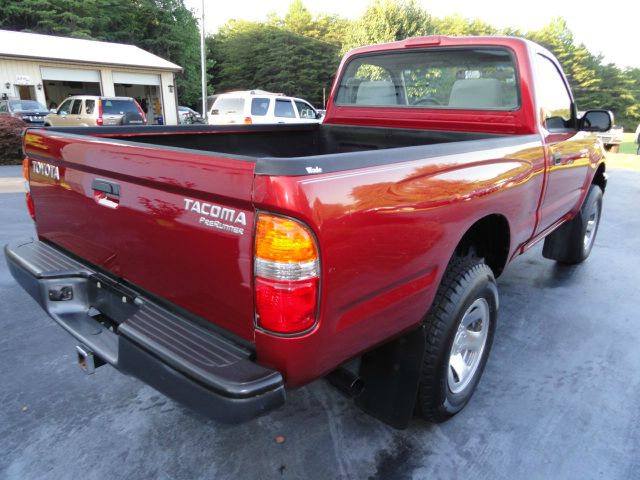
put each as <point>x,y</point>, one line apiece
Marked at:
<point>567,149</point>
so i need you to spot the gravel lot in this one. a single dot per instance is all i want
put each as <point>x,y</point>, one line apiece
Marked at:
<point>558,398</point>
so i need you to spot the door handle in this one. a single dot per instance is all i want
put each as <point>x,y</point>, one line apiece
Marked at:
<point>106,193</point>
<point>557,158</point>
<point>106,186</point>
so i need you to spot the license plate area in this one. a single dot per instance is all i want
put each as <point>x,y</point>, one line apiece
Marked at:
<point>110,299</point>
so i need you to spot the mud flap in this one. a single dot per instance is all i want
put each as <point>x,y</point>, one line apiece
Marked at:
<point>391,374</point>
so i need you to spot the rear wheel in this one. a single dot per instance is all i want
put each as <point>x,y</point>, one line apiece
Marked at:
<point>459,333</point>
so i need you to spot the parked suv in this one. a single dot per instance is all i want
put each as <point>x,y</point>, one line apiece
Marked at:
<point>258,106</point>
<point>29,111</point>
<point>89,111</point>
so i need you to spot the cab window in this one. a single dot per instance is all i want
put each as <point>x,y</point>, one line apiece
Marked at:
<point>554,100</point>
<point>65,107</point>
<point>77,105</point>
<point>259,106</point>
<point>89,105</point>
<point>305,110</point>
<point>284,109</point>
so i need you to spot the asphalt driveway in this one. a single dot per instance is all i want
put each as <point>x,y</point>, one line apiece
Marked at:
<point>558,398</point>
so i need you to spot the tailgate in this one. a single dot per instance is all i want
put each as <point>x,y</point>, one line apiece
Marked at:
<point>174,223</point>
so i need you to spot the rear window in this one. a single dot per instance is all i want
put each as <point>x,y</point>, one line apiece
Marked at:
<point>89,105</point>
<point>26,106</point>
<point>447,78</point>
<point>118,107</point>
<point>259,106</point>
<point>228,106</point>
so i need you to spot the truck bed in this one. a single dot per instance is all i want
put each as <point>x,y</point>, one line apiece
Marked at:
<point>267,145</point>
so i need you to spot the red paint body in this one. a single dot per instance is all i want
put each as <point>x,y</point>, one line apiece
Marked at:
<point>385,233</point>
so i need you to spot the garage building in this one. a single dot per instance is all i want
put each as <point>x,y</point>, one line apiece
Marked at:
<point>49,69</point>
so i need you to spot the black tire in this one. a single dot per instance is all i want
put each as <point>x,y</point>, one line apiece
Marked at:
<point>467,282</point>
<point>573,241</point>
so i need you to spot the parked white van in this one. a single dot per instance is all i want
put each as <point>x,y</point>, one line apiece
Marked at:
<point>258,106</point>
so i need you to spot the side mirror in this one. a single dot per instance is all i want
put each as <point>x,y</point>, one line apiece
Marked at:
<point>53,110</point>
<point>596,121</point>
<point>319,115</point>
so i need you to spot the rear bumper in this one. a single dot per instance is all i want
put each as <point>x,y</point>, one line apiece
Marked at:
<point>192,364</point>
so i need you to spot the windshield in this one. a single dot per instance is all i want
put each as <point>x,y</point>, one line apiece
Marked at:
<point>460,78</point>
<point>26,106</point>
<point>118,107</point>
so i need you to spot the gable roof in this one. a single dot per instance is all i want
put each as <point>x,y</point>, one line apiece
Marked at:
<point>75,50</point>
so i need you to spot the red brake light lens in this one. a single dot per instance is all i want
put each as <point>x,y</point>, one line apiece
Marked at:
<point>286,307</point>
<point>99,120</point>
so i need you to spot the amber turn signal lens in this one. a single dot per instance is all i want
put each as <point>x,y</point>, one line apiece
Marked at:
<point>25,169</point>
<point>283,240</point>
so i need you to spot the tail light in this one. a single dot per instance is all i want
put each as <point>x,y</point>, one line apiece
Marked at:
<point>247,121</point>
<point>99,120</point>
<point>28,198</point>
<point>287,275</point>
<point>144,117</point>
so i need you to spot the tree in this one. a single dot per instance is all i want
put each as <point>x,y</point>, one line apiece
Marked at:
<point>457,26</point>
<point>326,27</point>
<point>594,84</point>
<point>387,21</point>
<point>163,27</point>
<point>251,55</point>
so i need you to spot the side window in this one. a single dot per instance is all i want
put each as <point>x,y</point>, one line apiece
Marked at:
<point>305,110</point>
<point>65,107</point>
<point>284,109</point>
<point>553,96</point>
<point>259,106</point>
<point>77,104</point>
<point>89,105</point>
<point>3,107</point>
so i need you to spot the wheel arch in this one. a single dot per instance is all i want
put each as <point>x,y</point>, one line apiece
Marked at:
<point>600,177</point>
<point>489,238</point>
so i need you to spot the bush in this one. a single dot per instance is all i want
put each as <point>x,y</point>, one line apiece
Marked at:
<point>11,140</point>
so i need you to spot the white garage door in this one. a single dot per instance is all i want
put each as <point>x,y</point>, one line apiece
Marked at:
<point>136,78</point>
<point>70,74</point>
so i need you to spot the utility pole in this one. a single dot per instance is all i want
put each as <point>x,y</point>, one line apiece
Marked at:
<point>203,66</point>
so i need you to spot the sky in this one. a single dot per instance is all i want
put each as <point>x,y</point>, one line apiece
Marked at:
<point>606,27</point>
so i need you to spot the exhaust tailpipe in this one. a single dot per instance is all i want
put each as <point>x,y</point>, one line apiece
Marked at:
<point>347,382</point>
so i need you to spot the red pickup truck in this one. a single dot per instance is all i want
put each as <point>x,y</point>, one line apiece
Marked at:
<point>223,264</point>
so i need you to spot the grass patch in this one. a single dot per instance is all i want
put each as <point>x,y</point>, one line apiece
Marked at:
<point>623,160</point>
<point>629,145</point>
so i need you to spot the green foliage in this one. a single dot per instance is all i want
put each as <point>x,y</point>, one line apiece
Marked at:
<point>251,55</point>
<point>594,84</point>
<point>458,26</point>
<point>387,21</point>
<point>164,27</point>
<point>298,53</point>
